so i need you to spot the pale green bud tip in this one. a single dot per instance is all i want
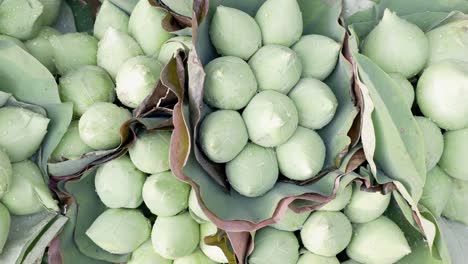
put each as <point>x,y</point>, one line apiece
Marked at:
<point>66,55</point>
<point>5,223</point>
<point>6,173</point>
<point>406,88</point>
<point>340,201</point>
<point>453,160</point>
<point>195,209</point>
<point>213,252</point>
<point>433,141</point>
<point>274,247</point>
<point>71,147</point>
<point>145,254</point>
<point>309,258</point>
<point>437,191</point>
<point>110,16</point>
<point>150,153</point>
<point>171,46</point>
<point>366,206</point>
<point>291,221</point>
<point>458,202</point>
<point>21,19</point>
<point>449,42</point>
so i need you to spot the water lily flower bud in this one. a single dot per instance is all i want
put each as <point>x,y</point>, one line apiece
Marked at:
<point>175,236</point>
<point>165,195</point>
<point>21,19</point>
<point>309,257</point>
<point>6,173</point>
<point>230,83</point>
<point>213,252</point>
<point>223,135</point>
<point>291,221</point>
<point>136,79</point>
<point>120,231</point>
<point>302,156</point>
<point>274,246</point>
<point>254,171</point>
<point>433,141</point>
<point>455,209</point>
<point>28,193</point>
<point>100,125</point>
<point>114,49</point>
<point>271,118</point>
<point>71,147</point>
<point>5,222</point>
<point>150,153</point>
<point>276,68</point>
<point>19,123</point>
<point>108,16</point>
<point>86,86</point>
<point>195,210</point>
<point>280,22</point>
<point>366,206</point>
<point>145,254</point>
<point>41,48</point>
<point>318,55</point>
<point>50,11</point>
<point>197,257</point>
<point>453,160</point>
<point>388,243</point>
<point>326,233</point>
<point>448,42</point>
<point>405,86</point>
<point>181,7</point>
<point>397,45</point>
<point>151,36</point>
<point>437,191</point>
<point>340,201</point>
<point>170,47</point>
<point>234,33</point>
<point>449,109</point>
<point>14,40</point>
<point>73,50</point>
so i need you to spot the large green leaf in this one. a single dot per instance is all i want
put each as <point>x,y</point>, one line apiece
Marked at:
<point>65,21</point>
<point>456,237</point>
<point>84,13</point>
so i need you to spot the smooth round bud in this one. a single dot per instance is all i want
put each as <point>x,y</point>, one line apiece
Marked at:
<point>271,118</point>
<point>22,132</point>
<point>86,86</point>
<point>254,171</point>
<point>437,191</point>
<point>145,254</point>
<point>213,252</point>
<point>73,50</point>
<point>453,160</point>
<point>405,86</point>
<point>326,233</point>
<point>6,173</point>
<point>448,42</point>
<point>150,36</point>
<point>274,246</point>
<point>5,223</point>
<point>366,206</point>
<point>100,125</point>
<point>291,221</point>
<point>340,201</point>
<point>318,55</point>
<point>165,195</point>
<point>170,47</point>
<point>114,49</point>
<point>455,209</point>
<point>229,84</point>
<point>14,41</point>
<point>280,22</point>
<point>195,210</point>
<point>71,147</point>
<point>41,48</point>
<point>50,11</point>
<point>150,153</point>
<point>276,68</point>
<point>397,45</point>
<point>197,257</point>
<point>21,19</point>
<point>378,241</point>
<point>120,231</point>
<point>433,141</point>
<point>302,156</point>
<point>449,109</point>
<point>234,33</point>
<point>109,16</point>
<point>223,135</point>
<point>309,258</point>
<point>175,236</point>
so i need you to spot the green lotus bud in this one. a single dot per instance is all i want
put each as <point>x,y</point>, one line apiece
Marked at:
<point>68,57</point>
<point>195,209</point>
<point>366,206</point>
<point>28,193</point>
<point>165,195</point>
<point>170,47</point>
<point>136,79</point>
<point>378,241</point>
<point>280,22</point>
<point>150,153</point>
<point>274,246</point>
<point>340,201</point>
<point>302,156</point>
<point>6,174</point>
<point>309,257</point>
<point>41,48</point>
<point>276,68</point>
<point>145,254</point>
<point>119,184</point>
<point>100,125</point>
<point>254,171</point>
<point>455,209</point>
<point>234,33</point>
<point>175,236</point>
<point>437,190</point>
<point>21,19</point>
<point>197,257</point>
<point>213,252</point>
<point>120,231</point>
<point>291,221</point>
<point>125,5</point>
<point>449,109</point>
<point>271,118</point>
<point>86,86</point>
<point>5,222</point>
<point>405,86</point>
<point>22,132</point>
<point>396,45</point>
<point>453,160</point>
<point>150,36</point>
<point>229,83</point>
<point>71,147</point>
<point>433,141</point>
<point>114,49</point>
<point>448,42</point>
<point>318,55</point>
<point>50,11</point>
<point>326,233</point>
<point>14,41</point>
<point>182,7</point>
<point>108,16</point>
<point>223,135</point>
